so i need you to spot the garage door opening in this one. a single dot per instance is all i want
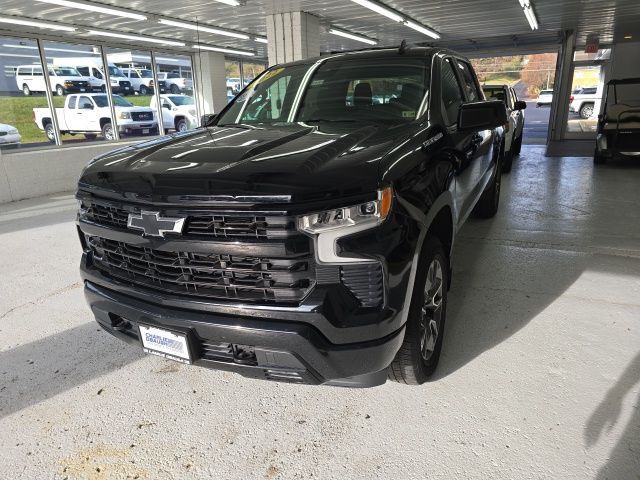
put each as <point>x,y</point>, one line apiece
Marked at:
<point>532,77</point>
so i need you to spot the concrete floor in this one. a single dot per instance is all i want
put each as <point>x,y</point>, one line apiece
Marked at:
<point>540,374</point>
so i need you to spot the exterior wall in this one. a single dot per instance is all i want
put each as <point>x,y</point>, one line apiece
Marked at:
<point>41,172</point>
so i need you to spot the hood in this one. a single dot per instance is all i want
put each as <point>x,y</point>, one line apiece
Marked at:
<point>305,162</point>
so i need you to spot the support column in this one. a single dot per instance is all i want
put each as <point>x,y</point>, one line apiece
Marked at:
<point>562,88</point>
<point>292,34</point>
<point>211,80</point>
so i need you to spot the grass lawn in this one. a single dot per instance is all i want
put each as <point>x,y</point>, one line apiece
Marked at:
<point>18,112</point>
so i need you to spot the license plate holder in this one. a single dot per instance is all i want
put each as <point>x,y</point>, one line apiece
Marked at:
<point>165,343</point>
<point>145,131</point>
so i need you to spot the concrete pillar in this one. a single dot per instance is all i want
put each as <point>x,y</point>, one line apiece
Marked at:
<point>210,79</point>
<point>292,34</point>
<point>562,88</point>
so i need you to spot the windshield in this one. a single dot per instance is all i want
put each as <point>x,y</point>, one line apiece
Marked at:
<point>181,100</point>
<point>118,101</point>
<point>340,90</point>
<point>64,72</point>
<point>115,72</point>
<point>146,73</point>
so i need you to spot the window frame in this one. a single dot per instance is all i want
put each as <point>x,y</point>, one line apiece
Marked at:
<point>456,75</point>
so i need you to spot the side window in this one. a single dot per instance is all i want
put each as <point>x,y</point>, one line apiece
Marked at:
<point>72,102</point>
<point>451,93</point>
<point>37,71</point>
<point>468,82</point>
<point>85,102</point>
<point>84,71</point>
<point>97,73</point>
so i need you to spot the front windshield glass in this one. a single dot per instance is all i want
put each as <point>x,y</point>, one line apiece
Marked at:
<point>181,100</point>
<point>118,101</point>
<point>65,72</point>
<point>146,73</point>
<point>340,90</point>
<point>115,72</point>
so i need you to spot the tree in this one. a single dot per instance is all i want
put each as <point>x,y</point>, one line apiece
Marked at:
<point>539,72</point>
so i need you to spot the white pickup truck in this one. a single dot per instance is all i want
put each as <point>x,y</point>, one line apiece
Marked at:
<point>583,100</point>
<point>178,112</point>
<point>89,114</point>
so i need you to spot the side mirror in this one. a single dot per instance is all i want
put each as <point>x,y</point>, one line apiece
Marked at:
<point>87,106</point>
<point>482,115</point>
<point>520,105</point>
<point>167,106</point>
<point>208,119</point>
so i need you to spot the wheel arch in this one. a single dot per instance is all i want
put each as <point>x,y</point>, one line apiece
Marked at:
<point>104,121</point>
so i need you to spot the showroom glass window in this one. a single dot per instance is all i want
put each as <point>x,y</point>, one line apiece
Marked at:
<point>78,123</point>
<point>175,76</point>
<point>250,71</point>
<point>132,87</point>
<point>22,95</point>
<point>452,97</point>
<point>234,83</point>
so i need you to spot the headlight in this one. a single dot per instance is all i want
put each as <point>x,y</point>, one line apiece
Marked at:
<point>124,115</point>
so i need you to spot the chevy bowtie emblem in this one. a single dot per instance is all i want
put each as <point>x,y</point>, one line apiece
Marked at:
<point>153,225</point>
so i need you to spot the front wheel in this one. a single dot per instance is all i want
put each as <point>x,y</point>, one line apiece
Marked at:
<point>181,125</point>
<point>107,132</point>
<point>59,90</point>
<point>143,90</point>
<point>175,89</point>
<point>419,354</point>
<point>517,145</point>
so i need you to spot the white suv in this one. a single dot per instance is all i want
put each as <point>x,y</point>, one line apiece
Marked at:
<point>178,112</point>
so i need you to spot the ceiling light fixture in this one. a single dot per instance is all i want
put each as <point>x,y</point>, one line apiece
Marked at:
<point>92,7</point>
<point>353,36</point>
<point>224,50</point>
<point>203,28</point>
<point>527,7</point>
<point>37,24</point>
<point>138,38</point>
<point>381,9</point>
<point>260,39</point>
<point>422,29</point>
<point>628,37</point>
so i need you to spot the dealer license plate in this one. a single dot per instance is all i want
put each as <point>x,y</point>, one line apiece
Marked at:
<point>145,131</point>
<point>82,90</point>
<point>164,343</point>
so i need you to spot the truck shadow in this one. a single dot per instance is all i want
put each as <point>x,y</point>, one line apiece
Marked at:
<point>34,372</point>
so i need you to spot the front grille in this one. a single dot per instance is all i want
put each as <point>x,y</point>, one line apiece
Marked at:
<point>206,275</point>
<point>365,281</point>
<point>203,225</point>
<point>141,116</point>
<point>125,83</point>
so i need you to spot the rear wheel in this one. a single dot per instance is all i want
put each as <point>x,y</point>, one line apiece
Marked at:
<point>507,163</point>
<point>419,354</point>
<point>107,132</point>
<point>488,204</point>
<point>26,90</point>
<point>586,111</point>
<point>50,132</point>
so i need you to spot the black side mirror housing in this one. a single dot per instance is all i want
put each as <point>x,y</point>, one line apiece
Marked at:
<point>208,119</point>
<point>520,105</point>
<point>482,115</point>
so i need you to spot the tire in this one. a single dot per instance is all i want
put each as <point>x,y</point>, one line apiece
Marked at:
<point>107,131</point>
<point>90,136</point>
<point>181,125</point>
<point>517,145</point>
<point>175,89</point>
<point>26,90</point>
<point>144,90</point>
<point>419,354</point>
<point>586,110</point>
<point>489,201</point>
<point>103,89</point>
<point>50,132</point>
<point>507,161</point>
<point>598,159</point>
<point>59,91</point>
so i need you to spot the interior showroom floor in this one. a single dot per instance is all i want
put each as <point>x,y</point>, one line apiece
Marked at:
<point>539,378</point>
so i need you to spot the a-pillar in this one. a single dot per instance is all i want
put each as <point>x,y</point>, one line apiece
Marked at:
<point>210,79</point>
<point>292,34</point>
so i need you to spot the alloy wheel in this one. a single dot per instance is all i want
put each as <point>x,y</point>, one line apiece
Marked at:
<point>431,312</point>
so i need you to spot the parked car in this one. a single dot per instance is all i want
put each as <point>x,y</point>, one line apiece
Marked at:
<point>9,136</point>
<point>583,100</point>
<point>92,69</point>
<point>175,83</point>
<point>619,125</point>
<point>545,97</point>
<point>515,127</point>
<point>297,238</point>
<point>63,80</point>
<point>141,80</point>
<point>178,112</point>
<point>89,114</point>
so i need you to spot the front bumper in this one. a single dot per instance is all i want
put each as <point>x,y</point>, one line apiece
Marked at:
<point>282,350</point>
<point>138,129</point>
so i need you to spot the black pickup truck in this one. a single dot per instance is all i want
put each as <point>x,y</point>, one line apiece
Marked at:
<point>305,233</point>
